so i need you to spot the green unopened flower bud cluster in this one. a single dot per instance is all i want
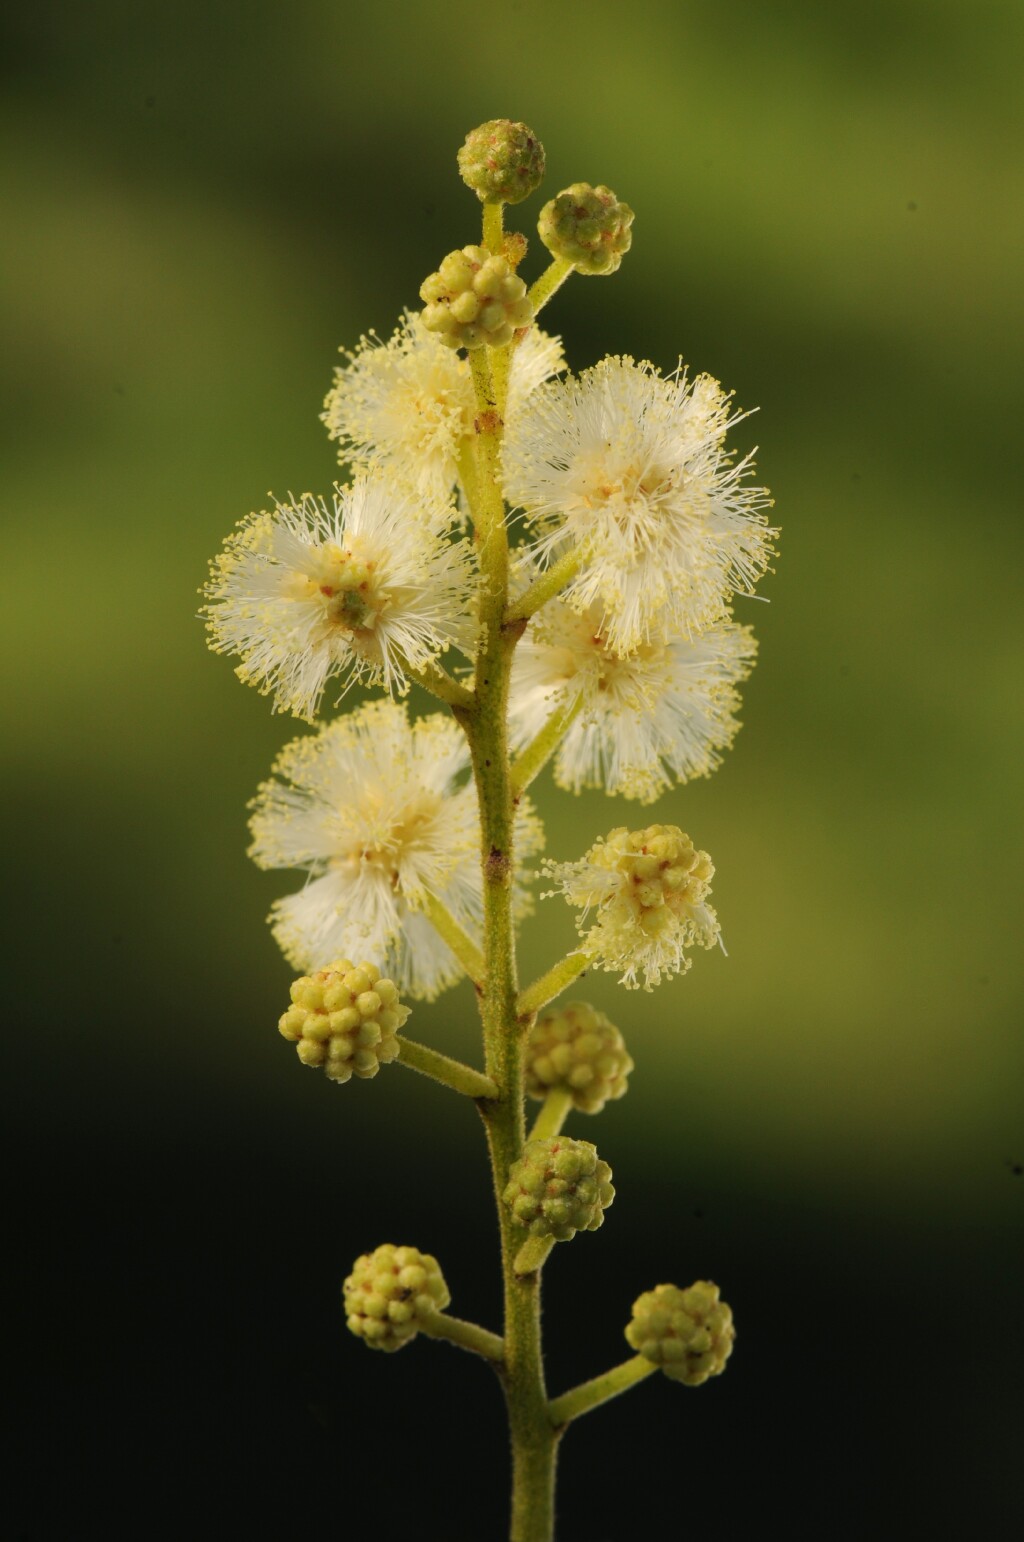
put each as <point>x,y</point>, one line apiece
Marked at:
<point>559,1187</point>
<point>391,1293</point>
<point>576,1048</point>
<point>502,161</point>
<point>344,1018</point>
<point>588,227</point>
<point>475,298</point>
<point>688,1333</point>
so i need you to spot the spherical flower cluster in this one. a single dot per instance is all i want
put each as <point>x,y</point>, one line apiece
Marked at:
<point>661,713</point>
<point>577,1049</point>
<point>475,298</point>
<point>559,1187</point>
<point>649,889</point>
<point>391,1293</point>
<point>408,406</point>
<point>502,161</point>
<point>376,811</point>
<point>588,227</point>
<point>630,471</point>
<point>344,1018</point>
<point>362,589</point>
<point>689,1333</point>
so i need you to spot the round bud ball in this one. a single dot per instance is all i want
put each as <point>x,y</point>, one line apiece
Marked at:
<point>576,1048</point>
<point>664,880</point>
<point>344,1018</point>
<point>559,1187</point>
<point>390,1293</point>
<point>588,227</point>
<point>689,1333</point>
<point>502,161</point>
<point>475,298</point>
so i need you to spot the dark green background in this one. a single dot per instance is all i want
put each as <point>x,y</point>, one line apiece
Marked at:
<point>202,202</point>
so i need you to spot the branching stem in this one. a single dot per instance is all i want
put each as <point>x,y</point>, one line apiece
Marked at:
<point>450,1073</point>
<point>553,1114</point>
<point>494,228</point>
<point>532,1256</point>
<point>449,930</point>
<point>466,1334</point>
<point>553,277</point>
<point>550,583</point>
<point>435,679</point>
<point>536,755</point>
<point>552,984</point>
<point>591,1394</point>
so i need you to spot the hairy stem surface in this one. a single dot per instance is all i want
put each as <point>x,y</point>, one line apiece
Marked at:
<point>441,1068</point>
<point>593,1393</point>
<point>534,1440</point>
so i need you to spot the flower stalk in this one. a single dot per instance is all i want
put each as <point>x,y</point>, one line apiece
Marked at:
<point>550,281</point>
<point>441,1068</point>
<point>551,582</point>
<point>462,945</point>
<point>466,1335</point>
<point>558,979</point>
<point>591,1394</point>
<point>553,1114</point>
<point>535,757</point>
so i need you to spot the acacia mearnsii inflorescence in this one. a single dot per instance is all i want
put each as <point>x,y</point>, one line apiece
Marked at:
<point>553,558</point>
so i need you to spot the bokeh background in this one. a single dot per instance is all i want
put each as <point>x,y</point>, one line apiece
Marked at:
<point>202,202</point>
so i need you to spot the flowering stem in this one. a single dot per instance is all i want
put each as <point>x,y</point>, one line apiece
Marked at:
<point>544,588</point>
<point>449,930</point>
<point>466,1334</point>
<point>591,1394</point>
<point>536,755</point>
<point>552,1116</point>
<point>451,1073</point>
<point>534,1442</point>
<point>551,279</point>
<point>552,984</point>
<point>439,683</point>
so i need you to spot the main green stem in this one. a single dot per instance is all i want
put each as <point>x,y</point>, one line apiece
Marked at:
<point>534,1440</point>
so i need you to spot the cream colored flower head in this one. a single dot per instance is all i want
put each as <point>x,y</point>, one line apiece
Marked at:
<point>633,469</point>
<point>647,892</point>
<point>409,405</point>
<point>378,813</point>
<point>358,589</point>
<point>660,714</point>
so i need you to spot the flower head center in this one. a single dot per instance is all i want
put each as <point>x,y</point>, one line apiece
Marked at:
<point>388,852</point>
<point>630,491</point>
<point>590,653</point>
<point>661,874</point>
<point>344,582</point>
<point>433,406</point>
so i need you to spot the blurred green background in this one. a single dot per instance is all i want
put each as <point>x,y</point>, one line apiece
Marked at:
<point>203,202</point>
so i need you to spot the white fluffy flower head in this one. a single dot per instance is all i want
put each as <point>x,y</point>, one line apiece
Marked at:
<point>376,812</point>
<point>409,404</point>
<point>649,890</point>
<point>359,589</point>
<point>632,468</point>
<point>662,712</point>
